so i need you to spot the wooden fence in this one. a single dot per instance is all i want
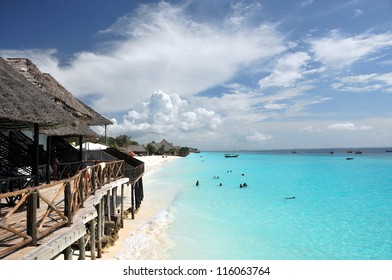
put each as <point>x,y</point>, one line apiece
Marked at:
<point>25,224</point>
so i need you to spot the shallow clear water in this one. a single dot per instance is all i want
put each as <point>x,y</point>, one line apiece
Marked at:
<point>342,208</point>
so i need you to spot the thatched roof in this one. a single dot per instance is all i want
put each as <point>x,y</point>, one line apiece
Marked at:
<point>22,104</point>
<point>71,130</point>
<point>57,92</point>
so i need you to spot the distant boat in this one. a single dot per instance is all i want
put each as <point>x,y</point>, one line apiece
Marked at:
<point>349,151</point>
<point>231,155</point>
<point>388,151</point>
<point>349,158</point>
<point>358,152</point>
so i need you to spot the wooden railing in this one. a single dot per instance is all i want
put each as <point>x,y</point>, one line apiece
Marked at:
<point>59,201</point>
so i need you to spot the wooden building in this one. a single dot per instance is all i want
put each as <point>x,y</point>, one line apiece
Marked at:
<point>47,211</point>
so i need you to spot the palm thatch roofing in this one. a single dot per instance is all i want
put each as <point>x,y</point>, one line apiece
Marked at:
<point>71,130</point>
<point>22,104</point>
<point>57,92</point>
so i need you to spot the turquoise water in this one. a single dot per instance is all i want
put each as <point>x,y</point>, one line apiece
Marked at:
<point>342,208</point>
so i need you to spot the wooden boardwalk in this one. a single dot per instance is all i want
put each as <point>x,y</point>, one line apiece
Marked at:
<point>48,220</point>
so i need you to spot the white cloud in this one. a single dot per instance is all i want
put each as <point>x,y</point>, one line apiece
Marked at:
<point>306,3</point>
<point>364,83</point>
<point>309,129</point>
<point>287,71</point>
<point>348,126</point>
<point>162,47</point>
<point>338,50</point>
<point>257,137</point>
<point>240,13</point>
<point>165,114</point>
<point>358,13</point>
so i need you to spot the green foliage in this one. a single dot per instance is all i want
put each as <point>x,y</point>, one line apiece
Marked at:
<point>151,149</point>
<point>120,141</point>
<point>183,151</point>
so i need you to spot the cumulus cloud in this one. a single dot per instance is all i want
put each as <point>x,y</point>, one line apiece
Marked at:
<point>338,50</point>
<point>348,126</point>
<point>165,114</point>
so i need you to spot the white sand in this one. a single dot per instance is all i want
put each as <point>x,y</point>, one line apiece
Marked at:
<point>148,209</point>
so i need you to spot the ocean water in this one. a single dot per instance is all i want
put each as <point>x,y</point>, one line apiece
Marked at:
<point>342,208</point>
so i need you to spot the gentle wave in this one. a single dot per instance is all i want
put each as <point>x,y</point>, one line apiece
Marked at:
<point>148,241</point>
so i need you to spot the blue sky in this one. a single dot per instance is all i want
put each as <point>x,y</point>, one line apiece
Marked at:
<point>218,74</point>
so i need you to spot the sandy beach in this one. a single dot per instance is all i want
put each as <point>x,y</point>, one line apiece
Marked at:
<point>148,207</point>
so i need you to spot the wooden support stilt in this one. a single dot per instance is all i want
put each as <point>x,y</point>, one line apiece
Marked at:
<point>141,188</point>
<point>103,216</point>
<point>68,253</point>
<point>113,201</point>
<point>82,248</point>
<point>122,206</point>
<point>99,229</point>
<point>92,238</point>
<point>108,213</point>
<point>133,200</point>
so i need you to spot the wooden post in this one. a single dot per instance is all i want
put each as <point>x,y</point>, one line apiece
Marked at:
<point>141,189</point>
<point>48,156</point>
<point>133,201</point>
<point>137,194</point>
<point>92,238</point>
<point>35,166</point>
<point>67,253</point>
<point>32,217</point>
<point>93,180</point>
<point>108,213</point>
<point>67,203</point>
<point>81,191</point>
<point>122,206</point>
<point>113,201</point>
<point>103,215</point>
<point>82,248</point>
<point>81,151</point>
<point>99,228</point>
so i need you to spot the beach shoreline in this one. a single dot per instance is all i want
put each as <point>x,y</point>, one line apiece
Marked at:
<point>147,211</point>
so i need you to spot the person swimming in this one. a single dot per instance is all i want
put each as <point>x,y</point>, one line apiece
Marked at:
<point>292,197</point>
